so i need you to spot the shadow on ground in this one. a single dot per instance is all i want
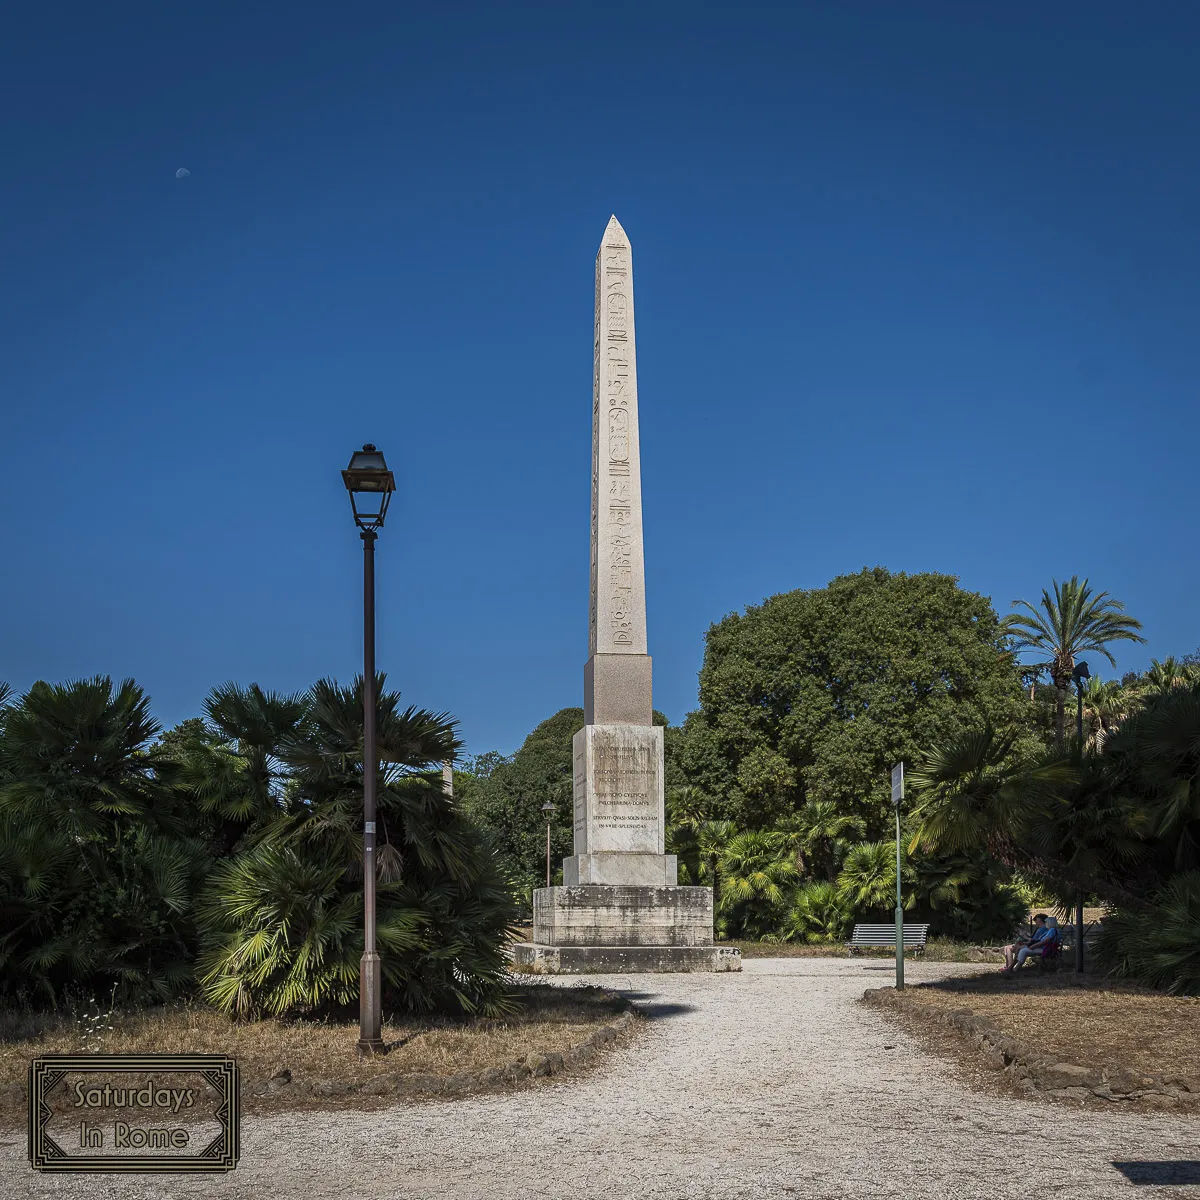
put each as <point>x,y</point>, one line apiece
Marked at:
<point>989,981</point>
<point>1183,1170</point>
<point>656,1009</point>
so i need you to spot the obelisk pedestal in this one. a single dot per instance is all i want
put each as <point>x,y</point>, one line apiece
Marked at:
<point>620,907</point>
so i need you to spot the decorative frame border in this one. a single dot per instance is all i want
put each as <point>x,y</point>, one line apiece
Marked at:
<point>221,1154</point>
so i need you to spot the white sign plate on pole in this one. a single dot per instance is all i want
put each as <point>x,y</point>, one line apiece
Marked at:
<point>898,783</point>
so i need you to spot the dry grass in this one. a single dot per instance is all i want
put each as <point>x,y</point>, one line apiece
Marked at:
<point>937,950</point>
<point>1095,1023</point>
<point>545,1020</point>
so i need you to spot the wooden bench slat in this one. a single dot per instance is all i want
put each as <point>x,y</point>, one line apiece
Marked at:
<point>878,936</point>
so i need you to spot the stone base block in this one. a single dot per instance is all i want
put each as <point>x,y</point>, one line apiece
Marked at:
<point>616,690</point>
<point>620,915</point>
<point>623,960</point>
<point>622,867</point>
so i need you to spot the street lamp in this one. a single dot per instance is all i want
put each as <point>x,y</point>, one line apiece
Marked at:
<point>370,485</point>
<point>548,809</point>
<point>897,800</point>
<point>1079,676</point>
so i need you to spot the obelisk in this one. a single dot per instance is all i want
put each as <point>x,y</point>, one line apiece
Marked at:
<point>620,907</point>
<point>616,685</point>
<point>618,784</point>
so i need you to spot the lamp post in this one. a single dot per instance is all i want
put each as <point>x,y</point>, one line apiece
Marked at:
<point>897,798</point>
<point>548,809</point>
<point>1079,675</point>
<point>370,485</point>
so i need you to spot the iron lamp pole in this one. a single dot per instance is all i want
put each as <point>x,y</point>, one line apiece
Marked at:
<point>548,809</point>
<point>897,800</point>
<point>370,485</point>
<point>1079,675</point>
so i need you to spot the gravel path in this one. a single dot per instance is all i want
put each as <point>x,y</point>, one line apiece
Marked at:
<point>772,1083</point>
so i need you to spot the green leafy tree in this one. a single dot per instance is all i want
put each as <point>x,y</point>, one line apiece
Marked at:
<point>1071,622</point>
<point>812,696</point>
<point>472,774</point>
<point>507,802</point>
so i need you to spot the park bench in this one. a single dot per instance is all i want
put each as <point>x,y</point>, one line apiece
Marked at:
<point>883,937</point>
<point>1050,956</point>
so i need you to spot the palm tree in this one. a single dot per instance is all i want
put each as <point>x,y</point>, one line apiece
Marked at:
<point>867,879</point>
<point>973,791</point>
<point>1165,676</point>
<point>759,875</point>
<point>686,812</point>
<point>1161,946</point>
<point>281,922</point>
<point>819,832</point>
<point>232,767</point>
<point>1072,621</point>
<point>96,878</point>
<point>1158,751</point>
<point>711,839</point>
<point>1106,704</point>
<point>818,914</point>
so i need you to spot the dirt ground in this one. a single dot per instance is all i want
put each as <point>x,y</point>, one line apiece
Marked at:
<point>545,1021</point>
<point>773,1082</point>
<point>1092,1022</point>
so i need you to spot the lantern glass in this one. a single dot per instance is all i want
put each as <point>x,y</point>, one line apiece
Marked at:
<point>370,485</point>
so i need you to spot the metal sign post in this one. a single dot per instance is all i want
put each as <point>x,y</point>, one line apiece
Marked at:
<point>897,798</point>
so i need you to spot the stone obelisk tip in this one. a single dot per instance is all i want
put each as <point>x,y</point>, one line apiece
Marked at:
<point>614,234</point>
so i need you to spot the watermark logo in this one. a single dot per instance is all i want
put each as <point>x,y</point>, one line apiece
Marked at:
<point>143,1113</point>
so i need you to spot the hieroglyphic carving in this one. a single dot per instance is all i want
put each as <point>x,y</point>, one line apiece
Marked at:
<point>595,578</point>
<point>617,604</point>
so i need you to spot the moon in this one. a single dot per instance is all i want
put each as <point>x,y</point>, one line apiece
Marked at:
<point>182,173</point>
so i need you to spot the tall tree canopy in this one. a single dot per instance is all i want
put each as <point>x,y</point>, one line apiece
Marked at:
<point>812,695</point>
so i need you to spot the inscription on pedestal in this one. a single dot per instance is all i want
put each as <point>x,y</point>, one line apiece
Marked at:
<point>618,787</point>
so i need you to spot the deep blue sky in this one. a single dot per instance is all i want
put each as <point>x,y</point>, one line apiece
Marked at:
<point>916,285</point>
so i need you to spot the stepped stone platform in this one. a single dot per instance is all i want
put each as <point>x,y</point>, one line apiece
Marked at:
<point>612,928</point>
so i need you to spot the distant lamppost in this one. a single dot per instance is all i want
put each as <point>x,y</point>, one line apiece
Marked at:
<point>548,809</point>
<point>1079,676</point>
<point>897,800</point>
<point>370,485</point>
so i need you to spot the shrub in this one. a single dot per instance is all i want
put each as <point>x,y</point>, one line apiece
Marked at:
<point>1160,945</point>
<point>281,922</point>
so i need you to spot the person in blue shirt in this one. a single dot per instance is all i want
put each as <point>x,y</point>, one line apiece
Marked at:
<point>1043,946</point>
<point>1016,953</point>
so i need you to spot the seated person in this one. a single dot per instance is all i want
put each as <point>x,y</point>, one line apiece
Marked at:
<point>1049,943</point>
<point>1016,953</point>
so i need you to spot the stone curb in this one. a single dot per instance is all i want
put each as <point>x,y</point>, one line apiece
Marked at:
<point>535,1065</point>
<point>1043,1075</point>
